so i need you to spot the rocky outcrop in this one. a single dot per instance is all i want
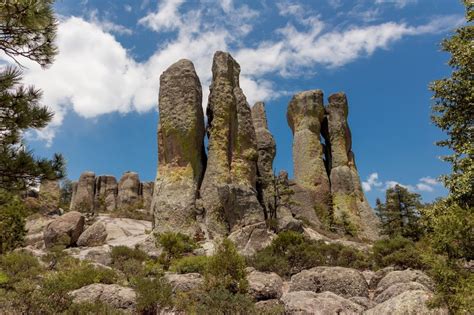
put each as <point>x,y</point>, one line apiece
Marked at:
<point>265,286</point>
<point>95,235</point>
<point>147,195</point>
<point>184,282</point>
<point>65,230</point>
<point>341,281</point>
<point>106,190</point>
<point>50,192</point>
<point>112,294</point>
<point>403,276</point>
<point>181,156</point>
<point>348,198</point>
<point>128,194</point>
<point>307,302</point>
<point>305,115</point>
<point>397,289</point>
<point>228,189</point>
<point>83,194</point>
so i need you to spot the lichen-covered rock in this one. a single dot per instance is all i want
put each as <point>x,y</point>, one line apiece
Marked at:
<point>230,179</point>
<point>112,294</point>
<point>305,115</point>
<point>397,289</point>
<point>95,235</point>
<point>50,192</point>
<point>106,190</point>
<point>273,307</point>
<point>181,155</point>
<point>184,282</point>
<point>404,276</point>
<point>128,194</point>
<point>64,230</point>
<point>347,195</point>
<point>408,302</point>
<point>345,282</point>
<point>378,275</point>
<point>265,286</point>
<point>310,303</point>
<point>363,301</point>
<point>147,195</point>
<point>83,193</point>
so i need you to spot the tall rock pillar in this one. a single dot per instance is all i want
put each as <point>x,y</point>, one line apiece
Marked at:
<point>305,116</point>
<point>83,194</point>
<point>228,190</point>
<point>348,197</point>
<point>181,155</point>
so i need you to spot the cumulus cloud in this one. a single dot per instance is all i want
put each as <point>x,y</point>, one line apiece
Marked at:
<point>94,74</point>
<point>425,184</point>
<point>397,3</point>
<point>372,181</point>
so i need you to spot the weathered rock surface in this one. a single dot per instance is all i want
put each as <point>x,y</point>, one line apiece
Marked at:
<point>409,302</point>
<point>341,281</point>
<point>64,230</point>
<point>308,302</point>
<point>397,289</point>
<point>83,193</point>
<point>228,189</point>
<point>181,152</point>
<point>95,235</point>
<point>184,282</point>
<point>305,116</point>
<point>363,301</point>
<point>106,190</point>
<point>252,238</point>
<point>265,286</point>
<point>50,191</point>
<point>147,195</point>
<point>273,306</point>
<point>128,194</point>
<point>347,195</point>
<point>112,294</point>
<point>378,275</point>
<point>404,276</point>
<point>35,226</point>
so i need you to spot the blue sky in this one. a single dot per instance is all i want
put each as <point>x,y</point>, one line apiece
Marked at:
<point>104,84</point>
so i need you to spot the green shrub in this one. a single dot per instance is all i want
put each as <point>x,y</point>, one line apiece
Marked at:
<point>16,266</point>
<point>190,264</point>
<point>12,222</point>
<point>174,246</point>
<point>290,253</point>
<point>129,261</point>
<point>152,295</point>
<point>397,251</point>
<point>226,268</point>
<point>122,253</point>
<point>92,308</point>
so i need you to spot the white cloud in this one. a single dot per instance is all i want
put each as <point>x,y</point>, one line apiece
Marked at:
<point>166,18</point>
<point>425,184</point>
<point>372,181</point>
<point>107,25</point>
<point>127,8</point>
<point>430,181</point>
<point>397,3</point>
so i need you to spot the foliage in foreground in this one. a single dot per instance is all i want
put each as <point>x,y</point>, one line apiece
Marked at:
<point>12,222</point>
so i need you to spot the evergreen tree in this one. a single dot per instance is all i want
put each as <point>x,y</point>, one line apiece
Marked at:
<point>27,29</point>
<point>400,213</point>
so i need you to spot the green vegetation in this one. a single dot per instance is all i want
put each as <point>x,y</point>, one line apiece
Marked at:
<point>174,245</point>
<point>397,251</point>
<point>153,294</point>
<point>12,222</point>
<point>400,213</point>
<point>190,264</point>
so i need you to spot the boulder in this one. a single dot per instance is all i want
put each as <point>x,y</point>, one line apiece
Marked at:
<point>112,294</point>
<point>181,154</point>
<point>82,199</point>
<point>378,275</point>
<point>97,254</point>
<point>34,227</point>
<point>398,288</point>
<point>184,282</point>
<point>273,307</point>
<point>128,194</point>
<point>252,238</point>
<point>403,276</point>
<point>95,235</point>
<point>106,190</point>
<point>345,282</point>
<point>265,286</point>
<point>363,301</point>
<point>64,230</point>
<point>308,302</point>
<point>305,115</point>
<point>228,190</point>
<point>408,302</point>
<point>348,198</point>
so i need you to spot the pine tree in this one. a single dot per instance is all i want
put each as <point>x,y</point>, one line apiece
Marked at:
<point>400,214</point>
<point>27,29</point>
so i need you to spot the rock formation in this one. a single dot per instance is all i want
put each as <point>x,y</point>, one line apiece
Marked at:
<point>147,194</point>
<point>266,153</point>
<point>305,116</point>
<point>106,190</point>
<point>228,190</point>
<point>50,191</point>
<point>128,190</point>
<point>83,194</point>
<point>347,195</point>
<point>181,155</point>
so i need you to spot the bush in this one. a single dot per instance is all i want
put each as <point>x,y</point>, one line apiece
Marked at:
<point>218,301</point>
<point>397,251</point>
<point>174,246</point>
<point>92,308</point>
<point>190,264</point>
<point>291,253</point>
<point>12,222</point>
<point>129,261</point>
<point>153,295</point>
<point>18,266</point>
